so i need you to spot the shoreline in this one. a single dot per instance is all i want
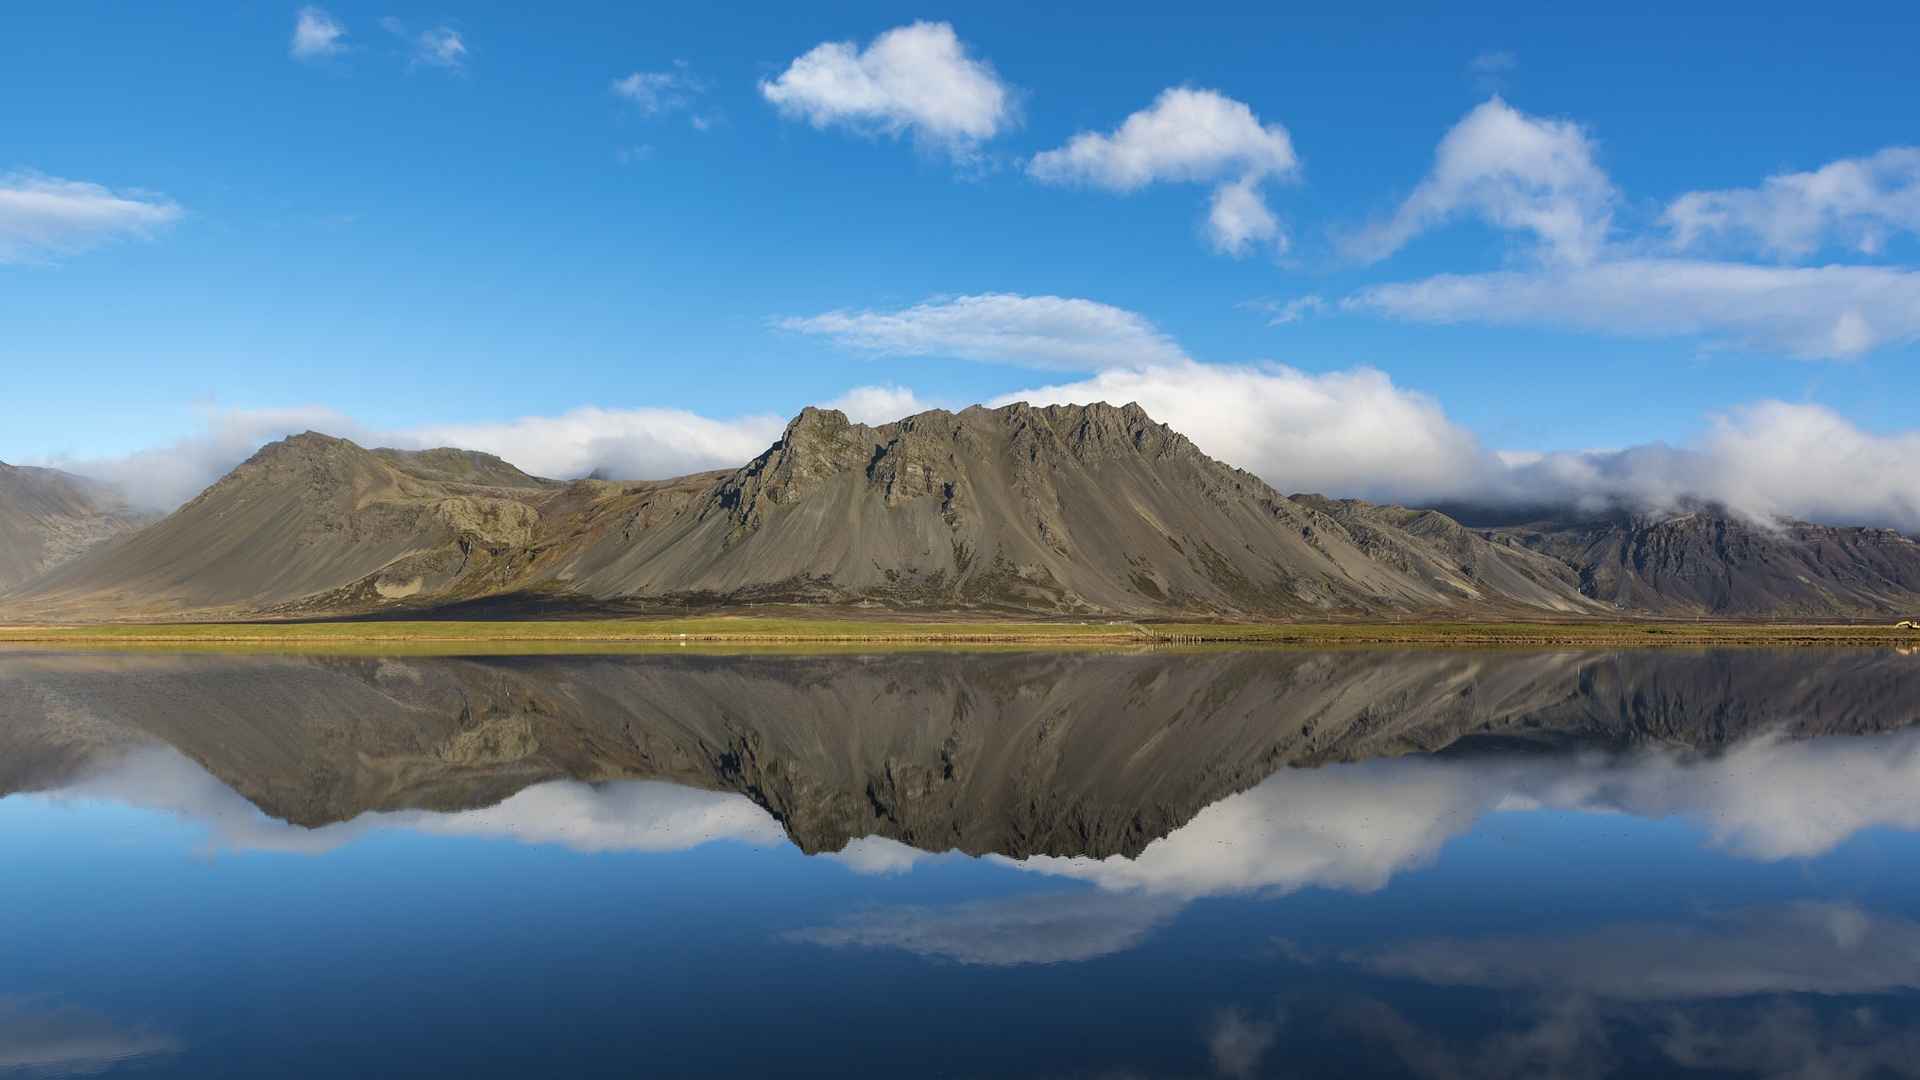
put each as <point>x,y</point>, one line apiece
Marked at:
<point>750,630</point>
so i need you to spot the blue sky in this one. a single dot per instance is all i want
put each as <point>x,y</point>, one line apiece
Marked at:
<point>219,222</point>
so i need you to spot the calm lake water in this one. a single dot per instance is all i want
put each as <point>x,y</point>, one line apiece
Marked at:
<point>1182,864</point>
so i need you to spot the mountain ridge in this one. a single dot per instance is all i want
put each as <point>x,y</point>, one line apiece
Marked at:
<point>1061,510</point>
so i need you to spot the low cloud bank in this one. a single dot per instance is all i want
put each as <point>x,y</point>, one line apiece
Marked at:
<point>1357,434</point>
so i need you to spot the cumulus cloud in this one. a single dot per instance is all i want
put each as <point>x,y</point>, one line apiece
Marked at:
<point>1346,432</point>
<point>1857,203</point>
<point>917,79</point>
<point>877,404</point>
<point>42,217</point>
<point>1239,219</point>
<point>1187,136</point>
<point>1001,328</point>
<point>316,35</point>
<point>1515,172</point>
<point>1824,312</point>
<point>622,444</point>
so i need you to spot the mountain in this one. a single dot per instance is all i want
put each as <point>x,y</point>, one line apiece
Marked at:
<point>318,523</point>
<point>48,517</point>
<point>1706,561</point>
<point>1092,511</point>
<point>1065,509</point>
<point>1015,753</point>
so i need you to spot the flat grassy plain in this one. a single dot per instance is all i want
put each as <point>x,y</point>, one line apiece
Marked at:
<point>826,630</point>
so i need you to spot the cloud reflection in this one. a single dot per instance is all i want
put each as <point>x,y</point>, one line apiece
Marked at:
<point>626,815</point>
<point>41,1038</point>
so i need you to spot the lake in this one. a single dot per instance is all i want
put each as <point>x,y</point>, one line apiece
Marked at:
<point>1179,863</point>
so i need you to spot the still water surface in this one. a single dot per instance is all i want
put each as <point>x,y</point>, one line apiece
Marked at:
<point>1183,864</point>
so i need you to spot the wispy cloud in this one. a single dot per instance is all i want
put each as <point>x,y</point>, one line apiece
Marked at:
<point>654,94</point>
<point>43,217</point>
<point>316,35</point>
<point>1187,135</point>
<point>440,47</point>
<point>1855,203</point>
<point>1288,312</point>
<point>1001,328</point>
<point>1820,312</point>
<point>917,80</point>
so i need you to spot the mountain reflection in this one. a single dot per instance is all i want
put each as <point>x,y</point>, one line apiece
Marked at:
<point>1420,863</point>
<point>1179,773</point>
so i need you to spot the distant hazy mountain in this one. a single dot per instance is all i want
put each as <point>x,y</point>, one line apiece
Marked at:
<point>48,517</point>
<point>1090,510</point>
<point>1705,561</point>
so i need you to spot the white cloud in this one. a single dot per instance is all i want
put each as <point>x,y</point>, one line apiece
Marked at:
<point>1187,136</point>
<point>43,216</point>
<point>626,444</point>
<point>1239,219</point>
<point>658,93</point>
<point>1514,171</point>
<point>1345,432</point>
<point>1823,312</point>
<point>163,477</point>
<point>916,79</point>
<point>1855,202</point>
<point>877,404</point>
<point>878,856</point>
<point>316,35</point>
<point>1539,177</point>
<point>1356,433</point>
<point>1002,328</point>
